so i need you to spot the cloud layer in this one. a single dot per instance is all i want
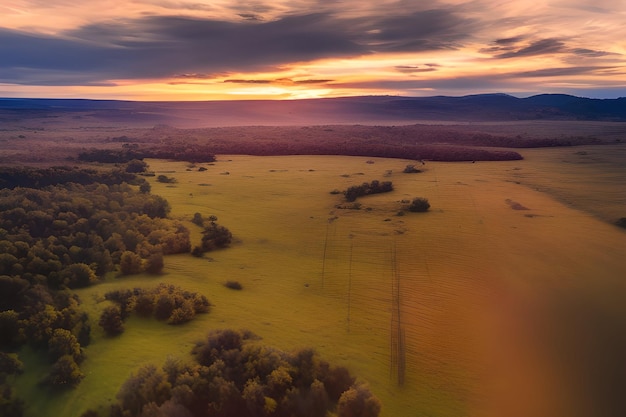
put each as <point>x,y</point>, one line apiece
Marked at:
<point>218,49</point>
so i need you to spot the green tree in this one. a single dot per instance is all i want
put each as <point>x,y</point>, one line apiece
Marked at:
<point>111,321</point>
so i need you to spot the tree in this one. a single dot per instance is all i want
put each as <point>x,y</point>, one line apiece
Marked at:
<point>197,219</point>
<point>78,275</point>
<point>10,365</point>
<point>65,372</point>
<point>215,236</point>
<point>130,263</point>
<point>148,385</point>
<point>111,321</point>
<point>145,187</point>
<point>358,401</point>
<point>419,204</point>
<point>154,263</point>
<point>136,166</point>
<point>62,343</point>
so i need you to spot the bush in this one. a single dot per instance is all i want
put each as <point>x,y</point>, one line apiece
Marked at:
<point>165,179</point>
<point>233,285</point>
<point>410,169</point>
<point>374,187</point>
<point>419,205</point>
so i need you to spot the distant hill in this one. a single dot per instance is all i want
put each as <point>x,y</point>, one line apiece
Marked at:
<point>348,110</point>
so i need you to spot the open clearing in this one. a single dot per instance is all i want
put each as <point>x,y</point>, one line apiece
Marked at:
<point>487,305</point>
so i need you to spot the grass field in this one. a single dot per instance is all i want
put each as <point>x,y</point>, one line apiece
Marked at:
<point>480,307</point>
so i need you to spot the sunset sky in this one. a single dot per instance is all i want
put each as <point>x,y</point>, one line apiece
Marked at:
<point>278,49</point>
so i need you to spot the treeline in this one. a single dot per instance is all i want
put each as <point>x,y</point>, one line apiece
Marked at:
<point>233,375</point>
<point>451,153</point>
<point>12,177</point>
<point>177,152</point>
<point>367,188</point>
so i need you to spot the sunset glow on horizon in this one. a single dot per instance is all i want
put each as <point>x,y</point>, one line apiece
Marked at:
<point>225,50</point>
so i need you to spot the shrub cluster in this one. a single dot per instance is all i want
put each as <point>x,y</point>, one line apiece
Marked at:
<point>165,302</point>
<point>410,169</point>
<point>419,204</point>
<point>374,187</point>
<point>235,376</point>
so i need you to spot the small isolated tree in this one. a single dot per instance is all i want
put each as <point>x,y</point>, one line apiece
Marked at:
<point>215,236</point>
<point>111,321</point>
<point>419,205</point>
<point>197,219</point>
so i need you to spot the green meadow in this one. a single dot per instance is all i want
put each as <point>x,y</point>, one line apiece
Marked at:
<point>482,306</point>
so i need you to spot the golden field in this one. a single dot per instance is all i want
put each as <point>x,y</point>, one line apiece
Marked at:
<point>487,305</point>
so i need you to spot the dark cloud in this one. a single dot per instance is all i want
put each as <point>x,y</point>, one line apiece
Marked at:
<point>513,47</point>
<point>561,72</point>
<point>162,46</point>
<point>419,31</point>
<point>313,81</point>
<point>154,47</point>
<point>591,53</point>
<point>250,16</point>
<point>410,69</point>
<point>509,41</point>
<point>237,81</point>
<point>540,47</point>
<point>281,81</point>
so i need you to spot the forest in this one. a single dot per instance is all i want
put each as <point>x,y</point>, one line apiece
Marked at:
<point>63,228</point>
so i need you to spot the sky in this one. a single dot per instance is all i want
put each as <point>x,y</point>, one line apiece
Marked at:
<point>295,49</point>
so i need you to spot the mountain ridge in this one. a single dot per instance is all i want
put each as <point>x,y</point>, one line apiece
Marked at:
<point>355,109</point>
